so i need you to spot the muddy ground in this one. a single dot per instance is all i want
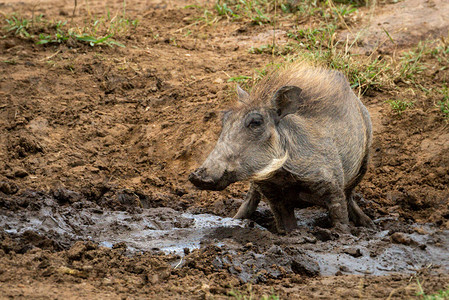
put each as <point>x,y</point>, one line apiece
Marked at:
<point>96,144</point>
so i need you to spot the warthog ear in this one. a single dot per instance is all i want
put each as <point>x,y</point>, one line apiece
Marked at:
<point>242,94</point>
<point>287,100</point>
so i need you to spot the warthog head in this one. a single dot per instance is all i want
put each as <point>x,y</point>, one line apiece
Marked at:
<point>250,146</point>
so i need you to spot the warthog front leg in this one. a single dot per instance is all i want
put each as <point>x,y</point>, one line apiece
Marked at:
<point>250,204</point>
<point>282,207</point>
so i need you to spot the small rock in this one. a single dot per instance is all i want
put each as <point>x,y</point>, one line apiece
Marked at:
<point>121,245</point>
<point>323,234</point>
<point>217,263</point>
<point>401,238</point>
<point>344,269</point>
<point>38,124</point>
<point>354,252</point>
<point>153,278</point>
<point>22,146</point>
<point>44,264</point>
<point>8,188</point>
<point>73,272</point>
<point>276,250</point>
<point>218,81</point>
<point>9,44</point>
<point>76,163</point>
<point>420,230</point>
<point>179,191</point>
<point>63,195</point>
<point>129,198</point>
<point>79,248</point>
<point>20,173</point>
<point>305,266</point>
<point>248,246</point>
<point>310,239</point>
<point>209,115</point>
<point>76,251</point>
<point>153,180</point>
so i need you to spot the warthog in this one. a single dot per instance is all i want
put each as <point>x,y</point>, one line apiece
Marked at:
<point>301,137</point>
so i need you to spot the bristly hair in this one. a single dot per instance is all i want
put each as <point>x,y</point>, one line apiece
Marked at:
<point>317,84</point>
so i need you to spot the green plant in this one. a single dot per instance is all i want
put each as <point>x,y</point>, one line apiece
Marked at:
<point>440,295</point>
<point>206,17</point>
<point>97,30</point>
<point>259,18</point>
<point>240,78</point>
<point>399,106</point>
<point>20,25</point>
<point>344,10</point>
<point>369,75</point>
<point>411,62</point>
<point>441,53</point>
<point>248,294</point>
<point>314,38</point>
<point>256,11</point>
<point>11,62</point>
<point>444,107</point>
<point>353,2</point>
<point>320,46</point>
<point>444,103</point>
<point>262,49</point>
<point>60,37</point>
<point>223,10</point>
<point>271,297</point>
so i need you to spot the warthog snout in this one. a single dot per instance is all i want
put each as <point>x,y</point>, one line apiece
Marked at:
<point>200,178</point>
<point>203,179</point>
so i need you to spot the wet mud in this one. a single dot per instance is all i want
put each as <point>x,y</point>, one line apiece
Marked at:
<point>243,247</point>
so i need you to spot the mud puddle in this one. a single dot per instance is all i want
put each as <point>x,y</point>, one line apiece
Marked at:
<point>244,248</point>
<point>155,229</point>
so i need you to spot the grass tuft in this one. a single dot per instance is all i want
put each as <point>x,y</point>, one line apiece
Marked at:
<point>19,25</point>
<point>440,295</point>
<point>399,106</point>
<point>444,103</point>
<point>259,12</point>
<point>98,30</point>
<point>239,79</point>
<point>256,11</point>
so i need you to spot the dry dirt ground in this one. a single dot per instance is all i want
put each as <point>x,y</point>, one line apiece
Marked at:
<point>96,144</point>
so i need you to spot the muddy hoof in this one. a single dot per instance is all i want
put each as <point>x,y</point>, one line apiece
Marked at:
<point>283,230</point>
<point>367,222</point>
<point>242,213</point>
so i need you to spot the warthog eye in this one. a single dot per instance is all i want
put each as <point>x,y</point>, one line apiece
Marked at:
<point>253,120</point>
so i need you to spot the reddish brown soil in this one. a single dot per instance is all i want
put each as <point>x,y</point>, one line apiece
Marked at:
<point>94,123</point>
